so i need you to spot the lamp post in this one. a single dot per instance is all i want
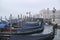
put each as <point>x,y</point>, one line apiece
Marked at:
<point>54,10</point>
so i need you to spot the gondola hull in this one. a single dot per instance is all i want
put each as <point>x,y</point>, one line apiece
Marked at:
<point>24,31</point>
<point>28,37</point>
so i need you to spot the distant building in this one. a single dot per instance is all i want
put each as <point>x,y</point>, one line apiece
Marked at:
<point>48,14</point>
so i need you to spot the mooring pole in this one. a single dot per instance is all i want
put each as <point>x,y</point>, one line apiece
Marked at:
<point>0,18</point>
<point>21,22</point>
<point>18,20</point>
<point>10,22</point>
<point>5,18</point>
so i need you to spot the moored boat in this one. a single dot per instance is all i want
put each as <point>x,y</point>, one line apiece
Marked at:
<point>40,36</point>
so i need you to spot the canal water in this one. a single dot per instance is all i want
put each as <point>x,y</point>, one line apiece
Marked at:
<point>48,29</point>
<point>57,36</point>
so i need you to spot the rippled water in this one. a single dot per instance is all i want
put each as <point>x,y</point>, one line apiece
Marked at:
<point>57,36</point>
<point>48,29</point>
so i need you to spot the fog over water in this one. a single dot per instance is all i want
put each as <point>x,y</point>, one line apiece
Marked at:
<point>22,6</point>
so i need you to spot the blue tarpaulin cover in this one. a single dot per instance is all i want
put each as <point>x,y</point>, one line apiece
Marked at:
<point>31,22</point>
<point>27,27</point>
<point>30,25</point>
<point>2,25</point>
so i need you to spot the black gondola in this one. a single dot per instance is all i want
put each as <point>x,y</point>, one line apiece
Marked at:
<point>30,28</point>
<point>24,30</point>
<point>48,36</point>
<point>21,35</point>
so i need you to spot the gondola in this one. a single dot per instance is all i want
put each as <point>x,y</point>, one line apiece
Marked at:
<point>47,36</point>
<point>26,37</point>
<point>24,30</point>
<point>15,22</point>
<point>4,25</point>
<point>28,28</point>
<point>40,36</point>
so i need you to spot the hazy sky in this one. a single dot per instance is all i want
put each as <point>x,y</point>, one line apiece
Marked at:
<point>16,7</point>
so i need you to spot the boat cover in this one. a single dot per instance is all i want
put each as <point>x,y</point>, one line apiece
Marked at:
<point>2,25</point>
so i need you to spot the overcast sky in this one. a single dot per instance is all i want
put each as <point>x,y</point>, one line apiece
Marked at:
<point>16,7</point>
